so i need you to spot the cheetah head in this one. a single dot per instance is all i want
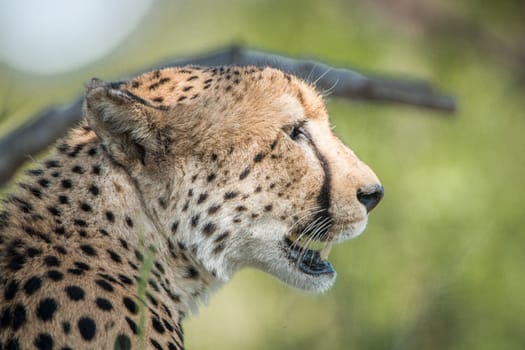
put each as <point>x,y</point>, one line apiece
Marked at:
<point>238,164</point>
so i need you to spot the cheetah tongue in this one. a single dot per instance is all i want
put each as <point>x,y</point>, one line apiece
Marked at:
<point>307,260</point>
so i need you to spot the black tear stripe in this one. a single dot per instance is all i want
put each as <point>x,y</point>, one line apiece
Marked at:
<point>322,219</point>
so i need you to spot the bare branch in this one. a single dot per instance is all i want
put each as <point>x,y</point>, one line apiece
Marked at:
<point>48,125</point>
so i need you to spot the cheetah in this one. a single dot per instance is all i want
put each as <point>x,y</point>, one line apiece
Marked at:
<point>174,180</point>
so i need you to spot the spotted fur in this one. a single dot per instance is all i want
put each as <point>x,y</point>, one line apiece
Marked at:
<point>205,171</point>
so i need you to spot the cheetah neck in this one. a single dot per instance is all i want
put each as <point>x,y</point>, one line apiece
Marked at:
<point>83,198</point>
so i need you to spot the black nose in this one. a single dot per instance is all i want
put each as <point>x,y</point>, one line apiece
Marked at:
<point>370,196</point>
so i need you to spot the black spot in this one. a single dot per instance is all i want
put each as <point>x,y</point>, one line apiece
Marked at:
<point>222,237</point>
<point>114,256</point>
<point>22,204</point>
<point>88,250</point>
<point>259,157</point>
<point>168,325</point>
<point>172,346</point>
<point>125,279</point>
<point>19,316</point>
<point>258,189</point>
<point>66,326</point>
<point>43,182</point>
<point>85,207</point>
<point>43,341</point>
<point>211,177</point>
<point>80,222</point>
<point>104,285</point>
<point>195,220</point>
<point>60,249</point>
<point>16,262</point>
<point>124,244</point>
<point>60,230</point>
<point>130,305</point>
<point>55,275</point>
<point>54,211</point>
<point>94,190</point>
<point>182,98</point>
<point>139,255</point>
<point>219,248</point>
<point>230,195</point>
<point>82,266</point>
<point>244,174</point>
<point>34,191</point>
<point>32,285</point>
<point>241,208</point>
<point>103,304</point>
<point>55,173</point>
<point>157,325</point>
<point>32,252</point>
<point>202,198</point>
<point>35,172</point>
<point>75,293</point>
<point>155,344</point>
<point>153,285</point>
<point>76,150</point>
<point>11,290</point>
<point>268,207</point>
<point>87,328</point>
<point>129,222</point>
<point>92,151</point>
<point>174,227</point>
<point>76,272</point>
<point>78,169</point>
<point>51,261</point>
<point>122,342</point>
<point>213,209</point>
<point>46,309</point>
<point>63,199</point>
<point>209,228</point>
<point>66,183</point>
<point>110,216</point>
<point>95,169</point>
<point>158,99</point>
<point>214,157</point>
<point>191,272</point>
<point>193,77</point>
<point>132,325</point>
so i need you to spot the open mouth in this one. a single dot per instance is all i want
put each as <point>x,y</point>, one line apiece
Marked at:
<point>309,261</point>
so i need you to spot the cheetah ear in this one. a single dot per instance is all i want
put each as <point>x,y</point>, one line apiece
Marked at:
<point>124,122</point>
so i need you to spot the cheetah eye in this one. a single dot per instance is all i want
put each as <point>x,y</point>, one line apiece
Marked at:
<point>296,131</point>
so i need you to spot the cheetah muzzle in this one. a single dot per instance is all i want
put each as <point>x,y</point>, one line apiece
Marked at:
<point>175,180</point>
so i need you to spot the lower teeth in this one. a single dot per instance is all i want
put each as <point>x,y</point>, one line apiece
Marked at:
<point>326,251</point>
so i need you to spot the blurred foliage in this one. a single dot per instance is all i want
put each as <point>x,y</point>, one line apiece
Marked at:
<point>441,265</point>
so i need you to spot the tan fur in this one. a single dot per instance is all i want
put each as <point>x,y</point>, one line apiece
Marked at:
<point>194,167</point>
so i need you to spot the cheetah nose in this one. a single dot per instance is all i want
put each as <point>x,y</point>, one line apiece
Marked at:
<point>370,196</point>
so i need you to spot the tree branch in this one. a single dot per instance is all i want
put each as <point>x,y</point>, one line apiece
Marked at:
<point>48,125</point>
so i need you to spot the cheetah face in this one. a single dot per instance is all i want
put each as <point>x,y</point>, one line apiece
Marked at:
<point>241,165</point>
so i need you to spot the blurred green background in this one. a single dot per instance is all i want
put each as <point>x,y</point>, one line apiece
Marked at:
<point>441,265</point>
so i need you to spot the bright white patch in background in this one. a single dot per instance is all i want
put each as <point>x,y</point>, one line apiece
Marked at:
<point>55,36</point>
